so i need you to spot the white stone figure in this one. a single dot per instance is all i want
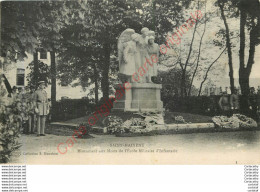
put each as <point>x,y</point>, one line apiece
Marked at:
<point>153,52</point>
<point>131,56</point>
<point>142,49</point>
<point>123,40</point>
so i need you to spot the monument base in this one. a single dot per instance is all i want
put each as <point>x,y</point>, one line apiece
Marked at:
<point>139,97</point>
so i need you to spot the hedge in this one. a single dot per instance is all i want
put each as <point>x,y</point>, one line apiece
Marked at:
<point>70,109</point>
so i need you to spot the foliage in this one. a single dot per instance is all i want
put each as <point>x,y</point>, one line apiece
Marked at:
<point>20,29</point>
<point>84,35</point>
<point>35,25</point>
<point>163,16</point>
<point>99,24</point>
<point>90,41</point>
<point>171,81</point>
<point>44,73</point>
<point>248,33</point>
<point>9,129</point>
<point>66,109</point>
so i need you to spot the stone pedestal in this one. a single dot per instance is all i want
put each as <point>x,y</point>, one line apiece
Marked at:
<point>139,97</point>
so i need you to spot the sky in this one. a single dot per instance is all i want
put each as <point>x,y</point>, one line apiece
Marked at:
<point>219,75</point>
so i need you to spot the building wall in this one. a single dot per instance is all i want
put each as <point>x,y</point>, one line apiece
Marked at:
<point>67,91</point>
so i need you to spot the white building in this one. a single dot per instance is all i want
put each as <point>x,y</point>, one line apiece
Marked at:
<point>16,74</point>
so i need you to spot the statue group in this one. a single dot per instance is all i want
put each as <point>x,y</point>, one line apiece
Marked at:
<point>137,69</point>
<point>133,51</point>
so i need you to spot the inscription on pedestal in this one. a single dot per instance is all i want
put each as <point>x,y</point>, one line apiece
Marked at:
<point>140,97</point>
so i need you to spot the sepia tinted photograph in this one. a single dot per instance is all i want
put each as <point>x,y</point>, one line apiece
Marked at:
<point>130,82</point>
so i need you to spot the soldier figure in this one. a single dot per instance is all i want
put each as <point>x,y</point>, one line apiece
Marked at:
<point>212,104</point>
<point>234,102</point>
<point>31,111</point>
<point>224,103</point>
<point>252,103</point>
<point>258,105</point>
<point>42,108</point>
<point>26,104</point>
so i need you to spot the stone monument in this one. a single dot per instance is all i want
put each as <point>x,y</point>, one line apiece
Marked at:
<point>138,57</point>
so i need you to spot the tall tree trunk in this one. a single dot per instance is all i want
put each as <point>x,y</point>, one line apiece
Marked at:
<point>105,71</point>
<point>198,58</point>
<point>252,45</point>
<point>184,68</point>
<point>243,75</point>
<point>245,70</point>
<point>183,84</point>
<point>96,83</point>
<point>228,44</point>
<point>53,77</point>
<point>207,72</point>
<point>36,68</point>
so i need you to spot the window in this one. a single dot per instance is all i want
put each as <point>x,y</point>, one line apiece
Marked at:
<point>43,55</point>
<point>20,77</point>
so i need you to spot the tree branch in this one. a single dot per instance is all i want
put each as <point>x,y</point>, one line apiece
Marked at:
<point>206,75</point>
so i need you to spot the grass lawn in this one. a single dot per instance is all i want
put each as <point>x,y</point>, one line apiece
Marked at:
<point>188,117</point>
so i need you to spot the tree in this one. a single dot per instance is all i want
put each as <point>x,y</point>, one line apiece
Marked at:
<point>250,18</point>
<point>9,124</point>
<point>19,29</point>
<point>189,49</point>
<point>98,25</point>
<point>81,60</point>
<point>221,4</point>
<point>34,27</point>
<point>208,70</point>
<point>163,16</point>
<point>43,73</point>
<point>49,35</point>
<point>171,81</point>
<point>110,18</point>
<point>248,13</point>
<point>36,71</point>
<point>198,57</point>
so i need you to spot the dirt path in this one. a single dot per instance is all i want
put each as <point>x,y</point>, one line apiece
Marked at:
<point>200,148</point>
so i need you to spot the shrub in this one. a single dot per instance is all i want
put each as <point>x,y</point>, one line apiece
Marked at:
<point>9,126</point>
<point>71,108</point>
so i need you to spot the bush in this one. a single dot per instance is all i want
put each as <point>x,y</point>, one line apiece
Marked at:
<point>9,126</point>
<point>71,108</point>
<point>203,105</point>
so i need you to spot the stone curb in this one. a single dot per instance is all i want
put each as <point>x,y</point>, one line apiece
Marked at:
<point>172,128</point>
<point>191,126</point>
<point>64,124</point>
<point>159,127</point>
